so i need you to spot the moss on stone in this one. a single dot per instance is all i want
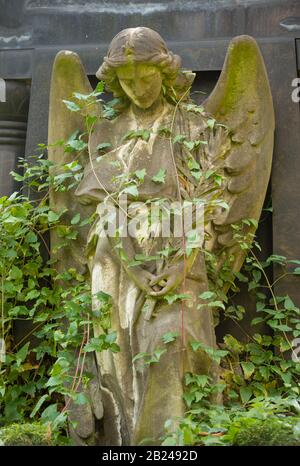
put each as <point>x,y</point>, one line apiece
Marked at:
<point>29,434</point>
<point>241,74</point>
<point>268,432</point>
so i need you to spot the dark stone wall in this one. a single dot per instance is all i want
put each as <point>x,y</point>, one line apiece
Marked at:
<point>27,23</point>
<point>13,127</point>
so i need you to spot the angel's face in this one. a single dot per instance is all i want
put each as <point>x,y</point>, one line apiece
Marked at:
<point>141,83</point>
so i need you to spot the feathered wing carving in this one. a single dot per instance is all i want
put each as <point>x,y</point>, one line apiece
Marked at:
<point>68,76</point>
<point>242,101</point>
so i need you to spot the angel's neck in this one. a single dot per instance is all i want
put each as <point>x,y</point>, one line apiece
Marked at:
<point>148,113</point>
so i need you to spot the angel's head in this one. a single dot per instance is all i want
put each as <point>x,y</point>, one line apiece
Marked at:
<point>138,66</point>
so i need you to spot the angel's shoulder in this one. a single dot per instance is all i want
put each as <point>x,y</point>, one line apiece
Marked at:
<point>110,131</point>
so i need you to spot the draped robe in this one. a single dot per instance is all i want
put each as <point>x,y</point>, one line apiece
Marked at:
<point>139,398</point>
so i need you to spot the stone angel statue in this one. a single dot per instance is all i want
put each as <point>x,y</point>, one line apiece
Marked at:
<point>160,147</point>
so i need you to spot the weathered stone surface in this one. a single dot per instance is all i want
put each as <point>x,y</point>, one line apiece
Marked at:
<point>138,398</point>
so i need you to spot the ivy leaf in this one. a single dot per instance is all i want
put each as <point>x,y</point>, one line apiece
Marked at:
<point>75,219</point>
<point>156,356</point>
<point>281,260</point>
<point>140,174</point>
<point>176,297</point>
<point>164,131</point>
<point>189,398</point>
<point>150,358</point>
<point>169,337</point>
<point>195,345</point>
<point>38,405</point>
<point>265,372</point>
<point>179,138</point>
<point>190,145</point>
<point>207,295</point>
<point>242,278</point>
<point>76,145</point>
<point>245,393</point>
<point>233,344</point>
<point>31,237</point>
<point>248,368</point>
<point>139,356</point>
<point>257,320</point>
<point>50,413</point>
<point>17,176</point>
<point>132,190</point>
<point>104,298</point>
<point>260,306</point>
<point>71,106</point>
<point>80,96</point>
<point>160,176</point>
<point>103,146</point>
<point>195,108</point>
<point>99,88</point>
<point>217,304</point>
<point>90,122</point>
<point>142,133</point>
<point>211,123</point>
<point>215,354</point>
<point>80,399</point>
<point>103,342</point>
<point>193,165</point>
<point>288,304</point>
<point>21,354</point>
<point>32,295</point>
<point>15,273</point>
<point>53,216</point>
<point>284,328</point>
<point>256,275</point>
<point>111,337</point>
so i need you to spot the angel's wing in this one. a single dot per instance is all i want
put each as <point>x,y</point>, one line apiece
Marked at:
<point>242,101</point>
<point>68,76</point>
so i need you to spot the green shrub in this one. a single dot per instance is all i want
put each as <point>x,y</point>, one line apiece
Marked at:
<point>29,434</point>
<point>265,432</point>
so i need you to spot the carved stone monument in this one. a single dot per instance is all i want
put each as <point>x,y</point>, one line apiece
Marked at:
<point>161,149</point>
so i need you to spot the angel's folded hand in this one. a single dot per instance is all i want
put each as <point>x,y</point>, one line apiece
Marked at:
<point>168,280</point>
<point>142,279</point>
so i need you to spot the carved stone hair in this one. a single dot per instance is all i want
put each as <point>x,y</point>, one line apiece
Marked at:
<point>138,45</point>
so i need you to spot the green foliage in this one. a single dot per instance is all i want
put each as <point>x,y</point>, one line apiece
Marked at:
<point>266,422</point>
<point>34,434</point>
<point>38,372</point>
<point>149,358</point>
<point>273,431</point>
<point>103,342</point>
<point>169,337</point>
<point>32,290</point>
<point>160,176</point>
<point>144,134</point>
<point>259,381</point>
